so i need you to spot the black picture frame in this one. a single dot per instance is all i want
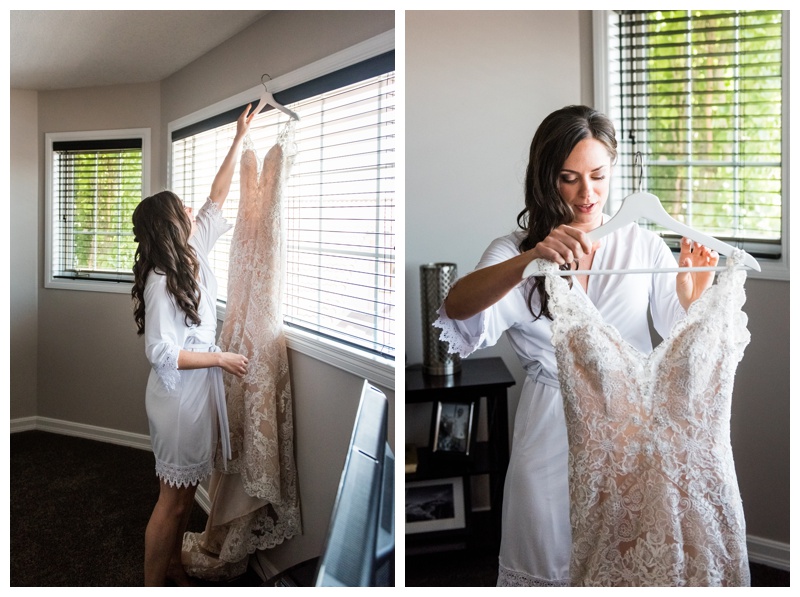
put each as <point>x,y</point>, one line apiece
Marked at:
<point>435,505</point>
<point>451,431</point>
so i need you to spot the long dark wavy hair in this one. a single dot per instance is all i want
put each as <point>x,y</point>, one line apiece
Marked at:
<point>545,210</point>
<point>162,228</point>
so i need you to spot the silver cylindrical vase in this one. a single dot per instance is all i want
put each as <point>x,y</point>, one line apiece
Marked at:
<point>435,281</point>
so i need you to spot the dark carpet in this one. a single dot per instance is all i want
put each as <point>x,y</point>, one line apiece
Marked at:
<point>78,512</point>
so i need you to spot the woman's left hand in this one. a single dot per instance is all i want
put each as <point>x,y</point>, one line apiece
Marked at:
<point>690,285</point>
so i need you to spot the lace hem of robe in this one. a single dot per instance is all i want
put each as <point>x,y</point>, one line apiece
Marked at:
<point>513,578</point>
<point>182,476</point>
<point>167,370</point>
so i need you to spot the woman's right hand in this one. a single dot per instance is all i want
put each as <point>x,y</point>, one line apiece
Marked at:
<point>563,245</point>
<point>483,287</point>
<point>243,122</point>
<point>233,363</point>
<point>221,184</point>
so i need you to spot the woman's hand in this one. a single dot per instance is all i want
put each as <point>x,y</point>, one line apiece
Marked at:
<point>482,288</point>
<point>563,245</point>
<point>233,363</point>
<point>690,285</point>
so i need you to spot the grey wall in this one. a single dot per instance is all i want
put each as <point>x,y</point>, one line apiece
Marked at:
<point>79,359</point>
<point>477,86</point>
<point>760,417</point>
<point>91,364</point>
<point>24,262</point>
<point>325,406</point>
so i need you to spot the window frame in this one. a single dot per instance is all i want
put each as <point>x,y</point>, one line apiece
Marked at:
<point>377,369</point>
<point>88,284</point>
<point>771,269</point>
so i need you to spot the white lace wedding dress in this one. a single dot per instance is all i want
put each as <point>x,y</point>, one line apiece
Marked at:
<point>654,499</point>
<point>255,504</point>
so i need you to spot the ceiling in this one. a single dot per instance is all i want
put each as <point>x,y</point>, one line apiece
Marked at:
<point>63,49</point>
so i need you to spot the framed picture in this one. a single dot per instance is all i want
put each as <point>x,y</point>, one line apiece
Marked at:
<point>452,427</point>
<point>435,505</point>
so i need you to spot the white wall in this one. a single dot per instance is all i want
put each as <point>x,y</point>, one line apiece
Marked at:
<point>477,86</point>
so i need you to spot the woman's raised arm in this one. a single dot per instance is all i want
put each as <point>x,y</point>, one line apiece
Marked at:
<point>222,181</point>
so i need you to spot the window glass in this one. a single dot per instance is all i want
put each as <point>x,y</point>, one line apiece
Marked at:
<point>95,186</point>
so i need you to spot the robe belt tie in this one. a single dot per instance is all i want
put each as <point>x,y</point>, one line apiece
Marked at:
<point>218,394</point>
<point>536,373</point>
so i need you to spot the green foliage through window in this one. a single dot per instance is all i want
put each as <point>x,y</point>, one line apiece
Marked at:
<point>700,96</point>
<point>96,189</point>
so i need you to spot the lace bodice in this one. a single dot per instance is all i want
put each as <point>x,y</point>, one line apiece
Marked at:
<point>654,498</point>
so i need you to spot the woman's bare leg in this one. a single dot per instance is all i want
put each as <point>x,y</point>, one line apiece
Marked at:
<point>165,531</point>
<point>175,571</point>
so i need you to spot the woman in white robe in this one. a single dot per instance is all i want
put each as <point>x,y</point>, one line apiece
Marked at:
<point>175,295</point>
<point>567,183</point>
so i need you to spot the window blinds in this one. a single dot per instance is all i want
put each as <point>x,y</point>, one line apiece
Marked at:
<point>97,185</point>
<point>339,209</point>
<point>699,94</point>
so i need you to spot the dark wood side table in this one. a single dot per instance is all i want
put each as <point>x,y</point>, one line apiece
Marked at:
<point>487,378</point>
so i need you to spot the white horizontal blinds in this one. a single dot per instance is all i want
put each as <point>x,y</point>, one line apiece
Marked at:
<point>96,187</point>
<point>340,278</point>
<point>700,97</point>
<point>195,162</point>
<point>339,209</point>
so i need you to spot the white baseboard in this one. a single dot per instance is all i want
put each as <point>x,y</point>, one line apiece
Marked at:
<point>768,552</point>
<point>103,434</point>
<point>263,567</point>
<point>23,424</point>
<point>202,499</point>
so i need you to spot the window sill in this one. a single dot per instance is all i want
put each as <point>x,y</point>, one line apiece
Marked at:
<point>771,269</point>
<point>377,370</point>
<point>89,285</point>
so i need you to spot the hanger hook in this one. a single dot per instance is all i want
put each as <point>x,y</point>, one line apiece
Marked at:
<point>262,81</point>
<point>638,160</point>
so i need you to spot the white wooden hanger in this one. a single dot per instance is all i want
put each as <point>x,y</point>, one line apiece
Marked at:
<point>268,99</point>
<point>643,205</point>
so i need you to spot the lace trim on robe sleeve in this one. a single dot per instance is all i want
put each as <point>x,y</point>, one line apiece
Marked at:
<point>455,334</point>
<point>214,211</point>
<point>167,369</point>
